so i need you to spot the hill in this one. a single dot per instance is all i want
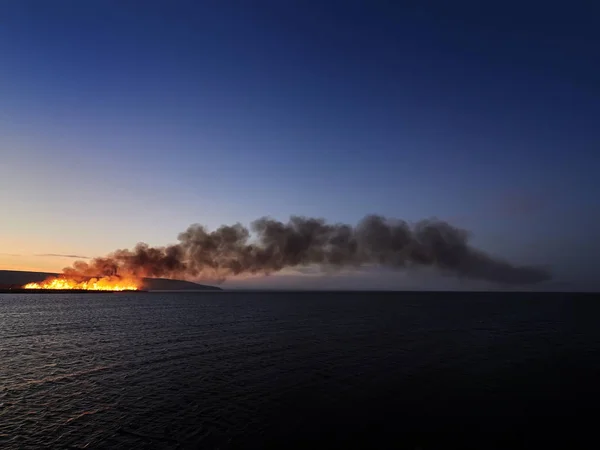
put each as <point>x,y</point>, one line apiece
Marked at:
<point>16,277</point>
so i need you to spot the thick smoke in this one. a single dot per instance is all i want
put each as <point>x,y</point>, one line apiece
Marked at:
<point>230,251</point>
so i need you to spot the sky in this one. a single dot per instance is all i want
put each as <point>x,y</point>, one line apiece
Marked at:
<point>127,121</point>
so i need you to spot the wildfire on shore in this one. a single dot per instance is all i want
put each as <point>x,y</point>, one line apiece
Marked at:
<point>108,283</point>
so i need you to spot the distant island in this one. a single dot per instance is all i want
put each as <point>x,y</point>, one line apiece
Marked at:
<point>14,278</point>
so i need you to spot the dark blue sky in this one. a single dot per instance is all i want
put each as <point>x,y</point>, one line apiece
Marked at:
<point>153,115</point>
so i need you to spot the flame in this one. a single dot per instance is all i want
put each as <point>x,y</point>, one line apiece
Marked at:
<point>110,283</point>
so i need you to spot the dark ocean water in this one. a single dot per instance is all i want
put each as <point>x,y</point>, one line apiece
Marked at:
<point>239,370</point>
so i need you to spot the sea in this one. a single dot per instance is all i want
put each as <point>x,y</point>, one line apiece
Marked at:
<point>224,370</point>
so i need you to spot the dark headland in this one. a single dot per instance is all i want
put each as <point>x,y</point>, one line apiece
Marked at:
<point>14,279</point>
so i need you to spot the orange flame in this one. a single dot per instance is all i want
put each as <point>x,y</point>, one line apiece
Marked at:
<point>111,283</point>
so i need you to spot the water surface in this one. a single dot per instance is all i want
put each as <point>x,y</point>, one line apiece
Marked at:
<point>243,370</point>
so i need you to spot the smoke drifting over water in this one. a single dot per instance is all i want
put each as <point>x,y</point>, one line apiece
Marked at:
<point>230,251</point>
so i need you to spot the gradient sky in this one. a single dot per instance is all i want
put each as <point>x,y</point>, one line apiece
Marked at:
<point>127,121</point>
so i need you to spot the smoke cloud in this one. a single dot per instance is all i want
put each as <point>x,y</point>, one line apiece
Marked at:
<point>273,246</point>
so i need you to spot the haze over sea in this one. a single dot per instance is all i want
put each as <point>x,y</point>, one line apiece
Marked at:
<point>247,370</point>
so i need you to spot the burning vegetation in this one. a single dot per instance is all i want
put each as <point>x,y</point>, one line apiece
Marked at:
<point>108,283</point>
<point>230,251</point>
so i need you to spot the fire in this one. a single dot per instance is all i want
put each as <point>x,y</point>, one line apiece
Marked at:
<point>111,283</point>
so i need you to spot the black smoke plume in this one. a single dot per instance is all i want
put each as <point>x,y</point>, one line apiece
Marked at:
<point>230,251</point>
